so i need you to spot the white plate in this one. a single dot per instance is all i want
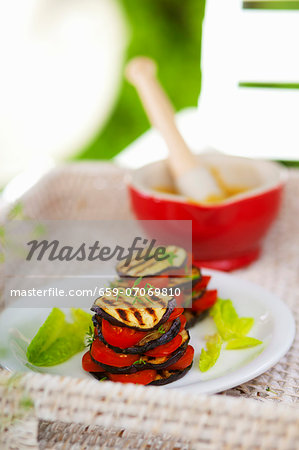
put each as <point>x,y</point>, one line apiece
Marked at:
<point>274,325</point>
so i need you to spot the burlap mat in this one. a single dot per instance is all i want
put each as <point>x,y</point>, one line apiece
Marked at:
<point>66,413</point>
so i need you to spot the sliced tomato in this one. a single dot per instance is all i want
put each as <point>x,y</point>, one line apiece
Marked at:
<point>182,298</point>
<point>184,361</point>
<point>183,322</point>
<point>166,349</point>
<point>122,337</point>
<point>202,284</point>
<point>141,377</point>
<point>175,313</point>
<point>89,365</point>
<point>206,301</point>
<point>103,354</point>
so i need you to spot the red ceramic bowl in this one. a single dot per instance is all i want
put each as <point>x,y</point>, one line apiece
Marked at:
<point>225,236</point>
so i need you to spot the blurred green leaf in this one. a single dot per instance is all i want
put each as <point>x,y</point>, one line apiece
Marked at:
<point>170,32</point>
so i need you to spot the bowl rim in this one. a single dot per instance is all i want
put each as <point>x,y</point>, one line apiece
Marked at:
<point>134,184</point>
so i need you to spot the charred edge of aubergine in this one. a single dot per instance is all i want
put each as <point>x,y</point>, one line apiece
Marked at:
<point>196,317</point>
<point>138,350</point>
<point>100,312</point>
<point>175,375</point>
<point>175,356</point>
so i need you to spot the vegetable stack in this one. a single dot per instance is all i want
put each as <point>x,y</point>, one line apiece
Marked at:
<point>140,331</point>
<point>202,300</point>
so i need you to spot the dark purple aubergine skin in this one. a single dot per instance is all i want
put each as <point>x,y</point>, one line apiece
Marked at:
<point>170,307</point>
<point>197,317</point>
<point>176,375</point>
<point>174,357</point>
<point>139,350</point>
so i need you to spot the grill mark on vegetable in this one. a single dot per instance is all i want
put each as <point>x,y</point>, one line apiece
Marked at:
<point>123,314</point>
<point>132,266</point>
<point>152,312</point>
<point>107,301</point>
<point>158,300</point>
<point>127,304</point>
<point>137,268</point>
<point>138,317</point>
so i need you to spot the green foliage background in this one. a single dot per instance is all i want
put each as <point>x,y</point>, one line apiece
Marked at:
<point>170,32</point>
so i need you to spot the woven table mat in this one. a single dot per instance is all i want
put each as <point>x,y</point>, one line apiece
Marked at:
<point>278,271</point>
<point>68,420</point>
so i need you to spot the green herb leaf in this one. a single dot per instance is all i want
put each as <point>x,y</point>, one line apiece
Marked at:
<point>82,320</point>
<point>209,357</point>
<point>227,321</point>
<point>243,342</point>
<point>171,256</point>
<point>89,338</point>
<point>58,340</point>
<point>161,329</point>
<point>46,335</point>
<point>244,325</point>
<point>136,282</point>
<point>140,361</point>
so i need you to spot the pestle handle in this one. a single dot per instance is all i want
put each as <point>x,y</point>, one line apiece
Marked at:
<point>141,73</point>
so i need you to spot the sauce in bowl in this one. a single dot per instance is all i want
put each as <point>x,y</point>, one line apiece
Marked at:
<point>227,189</point>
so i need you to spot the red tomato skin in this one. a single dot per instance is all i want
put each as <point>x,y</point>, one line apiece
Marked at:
<point>103,354</point>
<point>89,365</point>
<point>184,361</point>
<point>202,284</point>
<point>166,349</point>
<point>175,314</point>
<point>143,377</point>
<point>206,301</point>
<point>122,337</point>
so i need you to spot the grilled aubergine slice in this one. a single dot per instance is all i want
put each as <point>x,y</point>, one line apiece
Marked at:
<point>119,311</point>
<point>140,266</point>
<point>150,341</point>
<point>150,362</point>
<point>169,376</point>
<point>193,317</point>
<point>163,376</point>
